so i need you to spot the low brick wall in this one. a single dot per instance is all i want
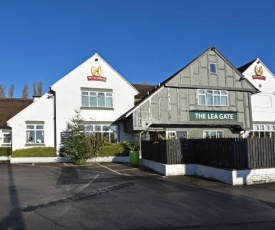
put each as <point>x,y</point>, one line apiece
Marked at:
<point>228,176</point>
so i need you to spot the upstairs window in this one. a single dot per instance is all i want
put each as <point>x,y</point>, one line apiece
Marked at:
<point>212,68</point>
<point>213,97</point>
<point>97,99</point>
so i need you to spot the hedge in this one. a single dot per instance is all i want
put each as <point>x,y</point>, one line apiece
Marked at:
<point>5,151</point>
<point>117,149</point>
<point>35,152</point>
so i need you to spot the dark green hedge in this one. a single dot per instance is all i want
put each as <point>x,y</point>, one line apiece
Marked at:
<point>5,151</point>
<point>117,149</point>
<point>35,152</point>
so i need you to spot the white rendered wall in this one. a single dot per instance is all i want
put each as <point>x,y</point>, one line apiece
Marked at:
<point>68,94</point>
<point>263,103</point>
<point>41,110</point>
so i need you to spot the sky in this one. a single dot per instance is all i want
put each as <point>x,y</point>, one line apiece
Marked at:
<point>146,41</point>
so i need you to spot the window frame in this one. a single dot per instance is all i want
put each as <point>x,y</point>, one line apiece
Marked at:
<point>215,66</point>
<point>211,131</point>
<point>210,96</point>
<point>97,99</point>
<point>35,140</point>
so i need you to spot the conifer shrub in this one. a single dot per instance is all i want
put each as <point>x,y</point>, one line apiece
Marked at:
<point>35,152</point>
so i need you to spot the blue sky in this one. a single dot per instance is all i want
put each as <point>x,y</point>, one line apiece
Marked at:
<point>144,40</point>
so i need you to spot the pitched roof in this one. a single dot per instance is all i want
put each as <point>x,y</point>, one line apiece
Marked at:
<point>143,90</point>
<point>10,107</point>
<point>245,66</point>
<point>163,84</point>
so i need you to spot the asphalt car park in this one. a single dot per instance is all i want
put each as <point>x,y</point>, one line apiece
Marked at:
<point>118,196</point>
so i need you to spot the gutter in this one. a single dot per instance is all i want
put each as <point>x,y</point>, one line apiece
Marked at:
<point>54,117</point>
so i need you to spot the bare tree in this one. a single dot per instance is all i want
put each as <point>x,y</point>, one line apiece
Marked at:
<point>2,91</point>
<point>25,92</point>
<point>39,88</point>
<point>11,91</point>
<point>35,89</point>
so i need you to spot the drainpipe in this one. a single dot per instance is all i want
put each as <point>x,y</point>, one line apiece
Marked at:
<point>140,134</point>
<point>54,117</point>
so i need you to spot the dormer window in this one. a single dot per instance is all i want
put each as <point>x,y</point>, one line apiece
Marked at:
<point>212,67</point>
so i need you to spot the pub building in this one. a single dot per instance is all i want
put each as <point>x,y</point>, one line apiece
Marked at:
<point>263,103</point>
<point>93,88</point>
<point>208,98</point>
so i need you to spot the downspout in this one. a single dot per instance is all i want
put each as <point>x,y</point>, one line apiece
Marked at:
<point>54,118</point>
<point>140,134</point>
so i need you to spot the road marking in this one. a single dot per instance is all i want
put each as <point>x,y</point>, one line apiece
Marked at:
<point>114,171</point>
<point>76,196</point>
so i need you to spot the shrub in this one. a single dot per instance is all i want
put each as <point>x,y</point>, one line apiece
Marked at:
<point>5,151</point>
<point>35,152</point>
<point>117,149</point>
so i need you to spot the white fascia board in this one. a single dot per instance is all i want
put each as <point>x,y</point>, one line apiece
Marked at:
<point>96,55</point>
<point>255,62</point>
<point>26,108</point>
<point>135,107</point>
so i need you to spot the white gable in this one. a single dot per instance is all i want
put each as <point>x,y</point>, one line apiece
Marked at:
<point>263,103</point>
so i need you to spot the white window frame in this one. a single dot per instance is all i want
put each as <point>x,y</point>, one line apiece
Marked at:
<point>215,66</point>
<point>92,129</point>
<point>213,97</point>
<point>217,133</point>
<point>96,96</point>
<point>9,137</point>
<point>262,130</point>
<point>36,129</point>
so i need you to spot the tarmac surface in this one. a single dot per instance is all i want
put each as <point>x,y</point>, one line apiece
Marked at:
<point>118,196</point>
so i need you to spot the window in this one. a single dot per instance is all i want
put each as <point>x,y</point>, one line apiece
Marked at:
<point>97,99</point>
<point>212,97</point>
<point>260,130</point>
<point>212,67</point>
<point>105,131</point>
<point>212,134</point>
<point>6,138</point>
<point>35,134</point>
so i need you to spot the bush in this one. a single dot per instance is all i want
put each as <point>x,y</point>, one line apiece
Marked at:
<point>117,149</point>
<point>35,152</point>
<point>5,151</point>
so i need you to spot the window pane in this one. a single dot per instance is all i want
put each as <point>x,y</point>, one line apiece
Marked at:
<point>209,99</point>
<point>201,99</point>
<point>40,137</point>
<point>217,100</point>
<point>7,138</point>
<point>30,137</point>
<point>97,128</point>
<point>224,101</point>
<point>101,100</point>
<point>201,91</point>
<point>30,126</point>
<point>84,99</point>
<point>39,127</point>
<point>109,102</point>
<point>106,128</point>
<point>93,102</point>
<point>213,68</point>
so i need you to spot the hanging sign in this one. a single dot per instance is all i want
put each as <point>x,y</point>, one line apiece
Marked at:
<point>96,74</point>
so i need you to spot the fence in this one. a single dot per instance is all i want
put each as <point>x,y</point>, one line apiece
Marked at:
<point>232,153</point>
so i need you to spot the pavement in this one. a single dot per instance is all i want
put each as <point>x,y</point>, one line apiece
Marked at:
<point>118,196</point>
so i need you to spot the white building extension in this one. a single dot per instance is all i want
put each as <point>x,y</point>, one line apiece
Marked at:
<point>94,88</point>
<point>263,103</point>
